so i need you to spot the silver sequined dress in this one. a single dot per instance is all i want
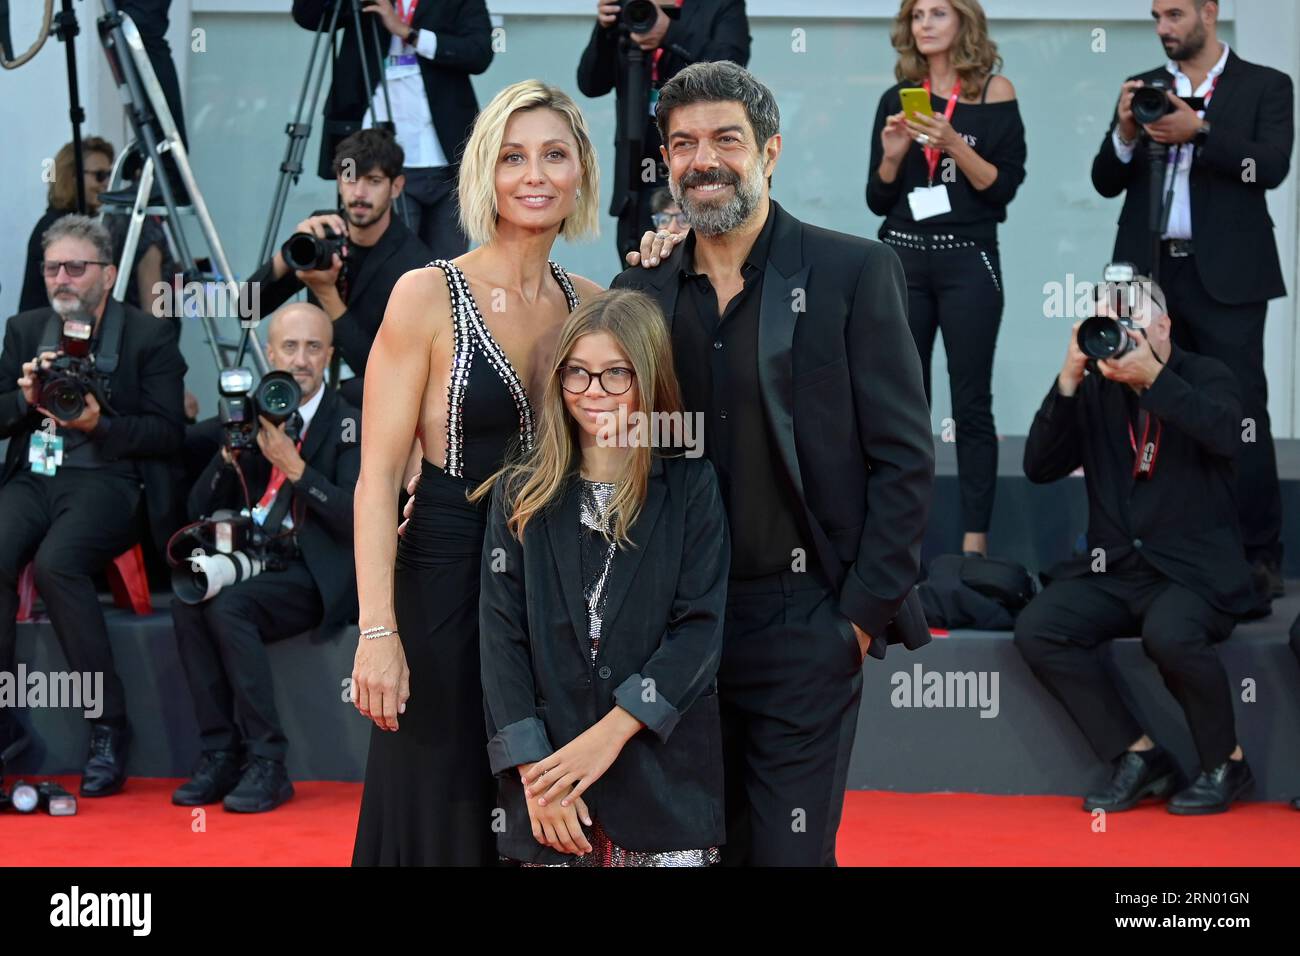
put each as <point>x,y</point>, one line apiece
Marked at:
<point>597,558</point>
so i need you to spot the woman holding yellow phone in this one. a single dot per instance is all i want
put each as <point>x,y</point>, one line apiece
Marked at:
<point>947,156</point>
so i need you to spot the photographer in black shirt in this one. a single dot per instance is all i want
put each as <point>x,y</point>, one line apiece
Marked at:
<point>1157,432</point>
<point>699,31</point>
<point>354,290</point>
<point>72,486</point>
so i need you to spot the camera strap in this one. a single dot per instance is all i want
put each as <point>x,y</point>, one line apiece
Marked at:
<point>1144,461</point>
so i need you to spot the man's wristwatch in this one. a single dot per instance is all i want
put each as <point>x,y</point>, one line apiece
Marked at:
<point>1202,134</point>
<point>412,35</point>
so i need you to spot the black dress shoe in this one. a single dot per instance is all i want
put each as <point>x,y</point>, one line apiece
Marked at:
<point>105,771</point>
<point>1137,776</point>
<point>1214,792</point>
<point>217,774</point>
<point>13,738</point>
<point>264,786</point>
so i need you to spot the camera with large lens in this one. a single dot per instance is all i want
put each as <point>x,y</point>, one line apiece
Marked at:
<point>308,252</point>
<point>276,398</point>
<point>1150,104</point>
<point>71,375</point>
<point>638,16</point>
<point>228,547</point>
<point>1106,336</point>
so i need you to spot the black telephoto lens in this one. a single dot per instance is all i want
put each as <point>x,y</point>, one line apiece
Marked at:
<point>303,251</point>
<point>1150,102</point>
<point>1102,337</point>
<point>63,398</point>
<point>277,395</point>
<point>639,15</point>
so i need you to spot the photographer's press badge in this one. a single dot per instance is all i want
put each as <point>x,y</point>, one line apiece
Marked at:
<point>45,452</point>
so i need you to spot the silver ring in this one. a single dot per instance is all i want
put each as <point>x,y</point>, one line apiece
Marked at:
<point>923,139</point>
<point>665,236</point>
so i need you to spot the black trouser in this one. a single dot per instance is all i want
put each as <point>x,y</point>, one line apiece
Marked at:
<point>70,525</point>
<point>1060,632</point>
<point>428,207</point>
<point>150,18</point>
<point>789,686</point>
<point>226,665</point>
<point>954,285</point>
<point>1234,334</point>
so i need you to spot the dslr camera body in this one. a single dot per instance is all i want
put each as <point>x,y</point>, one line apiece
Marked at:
<point>1106,336</point>
<point>307,252</point>
<point>276,398</point>
<point>72,375</point>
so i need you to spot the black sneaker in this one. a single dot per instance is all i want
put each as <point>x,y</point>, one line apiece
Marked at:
<point>218,773</point>
<point>1137,776</point>
<point>264,786</point>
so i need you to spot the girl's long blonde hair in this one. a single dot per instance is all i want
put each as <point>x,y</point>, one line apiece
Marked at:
<point>532,483</point>
<point>974,55</point>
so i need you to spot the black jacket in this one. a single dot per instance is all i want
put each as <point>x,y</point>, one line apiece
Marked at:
<point>147,394</point>
<point>1183,519</point>
<point>464,48</point>
<point>322,499</point>
<point>704,31</point>
<point>841,383</point>
<point>661,640</point>
<point>398,251</point>
<point>1251,130</point>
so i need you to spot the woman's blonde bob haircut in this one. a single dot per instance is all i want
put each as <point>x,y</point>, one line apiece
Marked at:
<point>974,55</point>
<point>477,192</point>
<point>536,480</point>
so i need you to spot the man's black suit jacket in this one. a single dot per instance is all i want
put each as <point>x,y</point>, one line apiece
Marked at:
<point>662,631</point>
<point>1183,519</point>
<point>842,390</point>
<point>464,48</point>
<point>322,499</point>
<point>704,31</point>
<point>1247,152</point>
<point>147,395</point>
<point>398,251</point>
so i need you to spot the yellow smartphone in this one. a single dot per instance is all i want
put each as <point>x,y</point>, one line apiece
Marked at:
<point>915,100</point>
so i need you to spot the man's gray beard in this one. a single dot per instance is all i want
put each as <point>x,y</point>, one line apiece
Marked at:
<point>85,303</point>
<point>713,219</point>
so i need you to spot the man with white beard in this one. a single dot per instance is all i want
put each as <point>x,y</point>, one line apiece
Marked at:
<point>71,487</point>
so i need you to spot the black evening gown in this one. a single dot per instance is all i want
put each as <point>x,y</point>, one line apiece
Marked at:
<point>429,795</point>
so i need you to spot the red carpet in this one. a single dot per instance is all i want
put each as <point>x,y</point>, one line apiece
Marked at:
<point>140,827</point>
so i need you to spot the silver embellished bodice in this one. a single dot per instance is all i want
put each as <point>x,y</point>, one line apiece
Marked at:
<point>479,431</point>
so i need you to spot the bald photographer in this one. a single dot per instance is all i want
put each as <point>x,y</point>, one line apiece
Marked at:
<point>288,570</point>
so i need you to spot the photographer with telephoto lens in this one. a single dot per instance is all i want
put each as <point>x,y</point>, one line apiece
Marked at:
<point>283,501</point>
<point>92,402</point>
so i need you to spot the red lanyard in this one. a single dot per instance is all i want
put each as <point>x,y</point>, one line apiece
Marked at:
<point>932,152</point>
<point>406,13</point>
<point>1144,464</point>
<point>654,62</point>
<point>277,477</point>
